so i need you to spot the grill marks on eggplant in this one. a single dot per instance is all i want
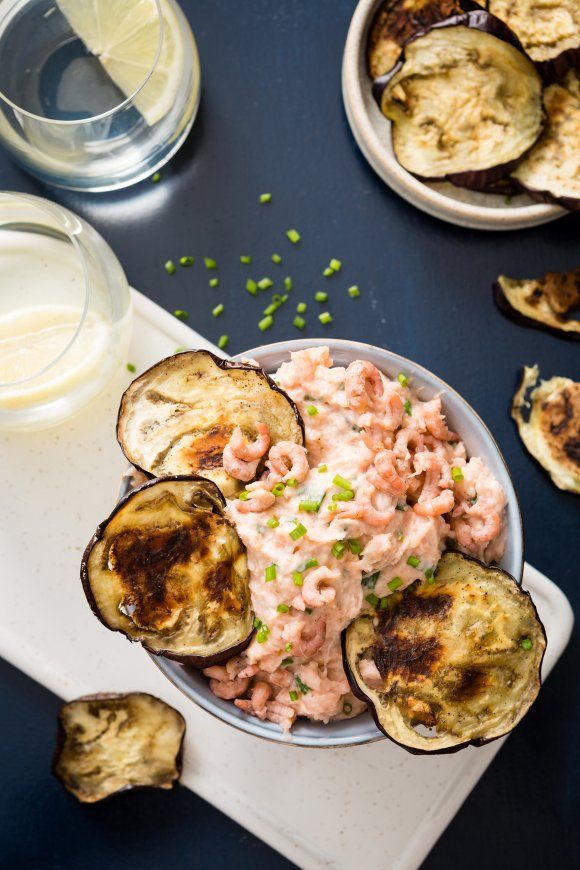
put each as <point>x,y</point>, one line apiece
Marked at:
<point>542,302</point>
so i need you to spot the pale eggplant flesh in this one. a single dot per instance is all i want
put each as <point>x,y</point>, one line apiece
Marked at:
<point>464,101</point>
<point>542,302</point>
<point>548,421</point>
<point>178,416</point>
<point>111,743</point>
<point>168,569</point>
<point>451,662</point>
<point>551,171</point>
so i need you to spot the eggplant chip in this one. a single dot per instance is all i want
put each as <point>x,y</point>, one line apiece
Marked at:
<point>169,570</point>
<point>551,431</point>
<point>549,31</point>
<point>178,416</point>
<point>465,102</point>
<point>451,662</point>
<point>542,302</point>
<point>111,743</point>
<point>551,171</point>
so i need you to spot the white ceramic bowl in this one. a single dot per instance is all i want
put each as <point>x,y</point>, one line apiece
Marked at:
<point>479,441</point>
<point>372,132</point>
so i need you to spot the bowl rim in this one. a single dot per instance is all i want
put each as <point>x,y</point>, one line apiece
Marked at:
<point>222,710</point>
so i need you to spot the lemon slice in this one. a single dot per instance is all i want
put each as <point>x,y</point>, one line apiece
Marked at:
<point>125,39</point>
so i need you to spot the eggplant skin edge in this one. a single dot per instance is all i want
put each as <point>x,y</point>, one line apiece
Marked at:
<point>480,741</point>
<point>221,363</point>
<point>506,308</point>
<point>544,196</point>
<point>197,662</point>
<point>61,736</point>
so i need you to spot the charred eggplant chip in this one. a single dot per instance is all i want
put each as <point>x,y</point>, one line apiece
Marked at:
<point>451,662</point>
<point>549,31</point>
<point>111,743</point>
<point>551,171</point>
<point>178,416</point>
<point>465,102</point>
<point>551,429</point>
<point>169,570</point>
<point>542,302</point>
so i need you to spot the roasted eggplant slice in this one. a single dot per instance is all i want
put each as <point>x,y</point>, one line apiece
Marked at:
<point>551,171</point>
<point>465,102</point>
<point>551,431</point>
<point>549,31</point>
<point>396,21</point>
<point>177,417</point>
<point>542,302</point>
<point>449,663</point>
<point>111,743</point>
<point>169,570</point>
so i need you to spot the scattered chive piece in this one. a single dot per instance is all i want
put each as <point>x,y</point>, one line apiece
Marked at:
<point>270,573</point>
<point>131,367</point>
<point>342,482</point>
<point>370,580</point>
<point>170,267</point>
<point>297,578</point>
<point>407,407</point>
<point>399,535</point>
<point>310,504</point>
<point>263,633</point>
<point>302,686</point>
<point>301,307</point>
<point>402,379</point>
<point>214,282</point>
<point>180,349</point>
<point>298,532</point>
<point>288,647</point>
<point>223,341</point>
<point>355,547</point>
<point>245,259</point>
<point>325,317</point>
<point>384,603</point>
<point>271,309</point>
<point>252,287</point>
<point>332,507</point>
<point>338,549</point>
<point>312,410</point>
<point>265,283</point>
<point>265,323</point>
<point>346,708</point>
<point>273,523</point>
<point>401,506</point>
<point>353,292</point>
<point>276,258</point>
<point>186,261</point>
<point>243,496</point>
<point>312,563</point>
<point>209,263</point>
<point>372,599</point>
<point>335,265</point>
<point>293,235</point>
<point>293,695</point>
<point>156,178</point>
<point>456,474</point>
<point>321,296</point>
<point>429,575</point>
<point>394,583</point>
<point>217,310</point>
<point>181,314</point>
<point>322,468</point>
<point>299,322</point>
<point>292,481</point>
<point>526,643</point>
<point>257,622</point>
<point>346,495</point>
<point>413,561</point>
<point>507,200</point>
<point>283,608</point>
<point>328,272</point>
<point>287,661</point>
<point>265,197</point>
<point>278,488</point>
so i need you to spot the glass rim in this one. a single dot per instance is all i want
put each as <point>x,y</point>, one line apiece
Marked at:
<point>55,212</point>
<point>92,118</point>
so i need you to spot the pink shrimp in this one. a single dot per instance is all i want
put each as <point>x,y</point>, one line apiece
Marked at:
<point>436,506</point>
<point>257,500</point>
<point>287,460</point>
<point>363,509</point>
<point>435,498</point>
<point>231,689</point>
<point>217,672</point>
<point>405,439</point>
<point>241,457</point>
<point>281,678</point>
<point>384,476</point>
<point>280,714</point>
<point>363,384</point>
<point>260,694</point>
<point>370,673</point>
<point>237,667</point>
<point>435,422</point>
<point>471,535</point>
<point>315,591</point>
<point>311,642</point>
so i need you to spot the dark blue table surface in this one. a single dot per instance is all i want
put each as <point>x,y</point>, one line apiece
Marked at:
<point>272,119</point>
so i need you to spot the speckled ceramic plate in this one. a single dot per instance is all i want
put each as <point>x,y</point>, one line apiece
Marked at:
<point>372,132</point>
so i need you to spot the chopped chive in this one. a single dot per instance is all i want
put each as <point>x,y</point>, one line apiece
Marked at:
<point>407,407</point>
<point>335,265</point>
<point>312,410</point>
<point>301,307</point>
<point>131,367</point>
<point>271,309</point>
<point>394,583</point>
<point>273,523</point>
<point>265,283</point>
<point>456,474</point>
<point>283,608</point>
<point>526,643</point>
<point>342,482</point>
<point>302,686</point>
<point>245,259</point>
<point>384,603</point>
<point>430,575</point>
<point>346,708</point>
<point>181,314</point>
<point>338,549</point>
<point>325,317</point>
<point>252,287</point>
<point>265,323</point>
<point>355,547</point>
<point>270,573</point>
<point>278,488</point>
<point>186,261</point>
<point>372,599</point>
<point>288,647</point>
<point>297,578</point>
<point>243,496</point>
<point>223,341</point>
<point>370,580</point>
<point>287,661</point>
<point>276,258</point>
<point>309,504</point>
<point>257,622</point>
<point>322,468</point>
<point>156,178</point>
<point>328,272</point>
<point>263,633</point>
<point>321,296</point>
<point>399,535</point>
<point>402,379</point>
<point>265,197</point>
<point>298,532</point>
<point>353,292</point>
<point>288,283</point>
<point>217,310</point>
<point>346,495</point>
<point>414,561</point>
<point>214,282</point>
<point>299,322</point>
<point>332,507</point>
<point>293,695</point>
<point>507,200</point>
<point>209,263</point>
<point>292,481</point>
<point>293,235</point>
<point>400,506</point>
<point>170,267</point>
<point>180,349</point>
<point>473,500</point>
<point>311,563</point>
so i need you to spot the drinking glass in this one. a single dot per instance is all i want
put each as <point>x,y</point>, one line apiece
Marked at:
<point>95,94</point>
<point>65,313</point>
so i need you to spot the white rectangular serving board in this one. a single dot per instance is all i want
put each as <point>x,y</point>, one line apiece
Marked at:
<point>320,808</point>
